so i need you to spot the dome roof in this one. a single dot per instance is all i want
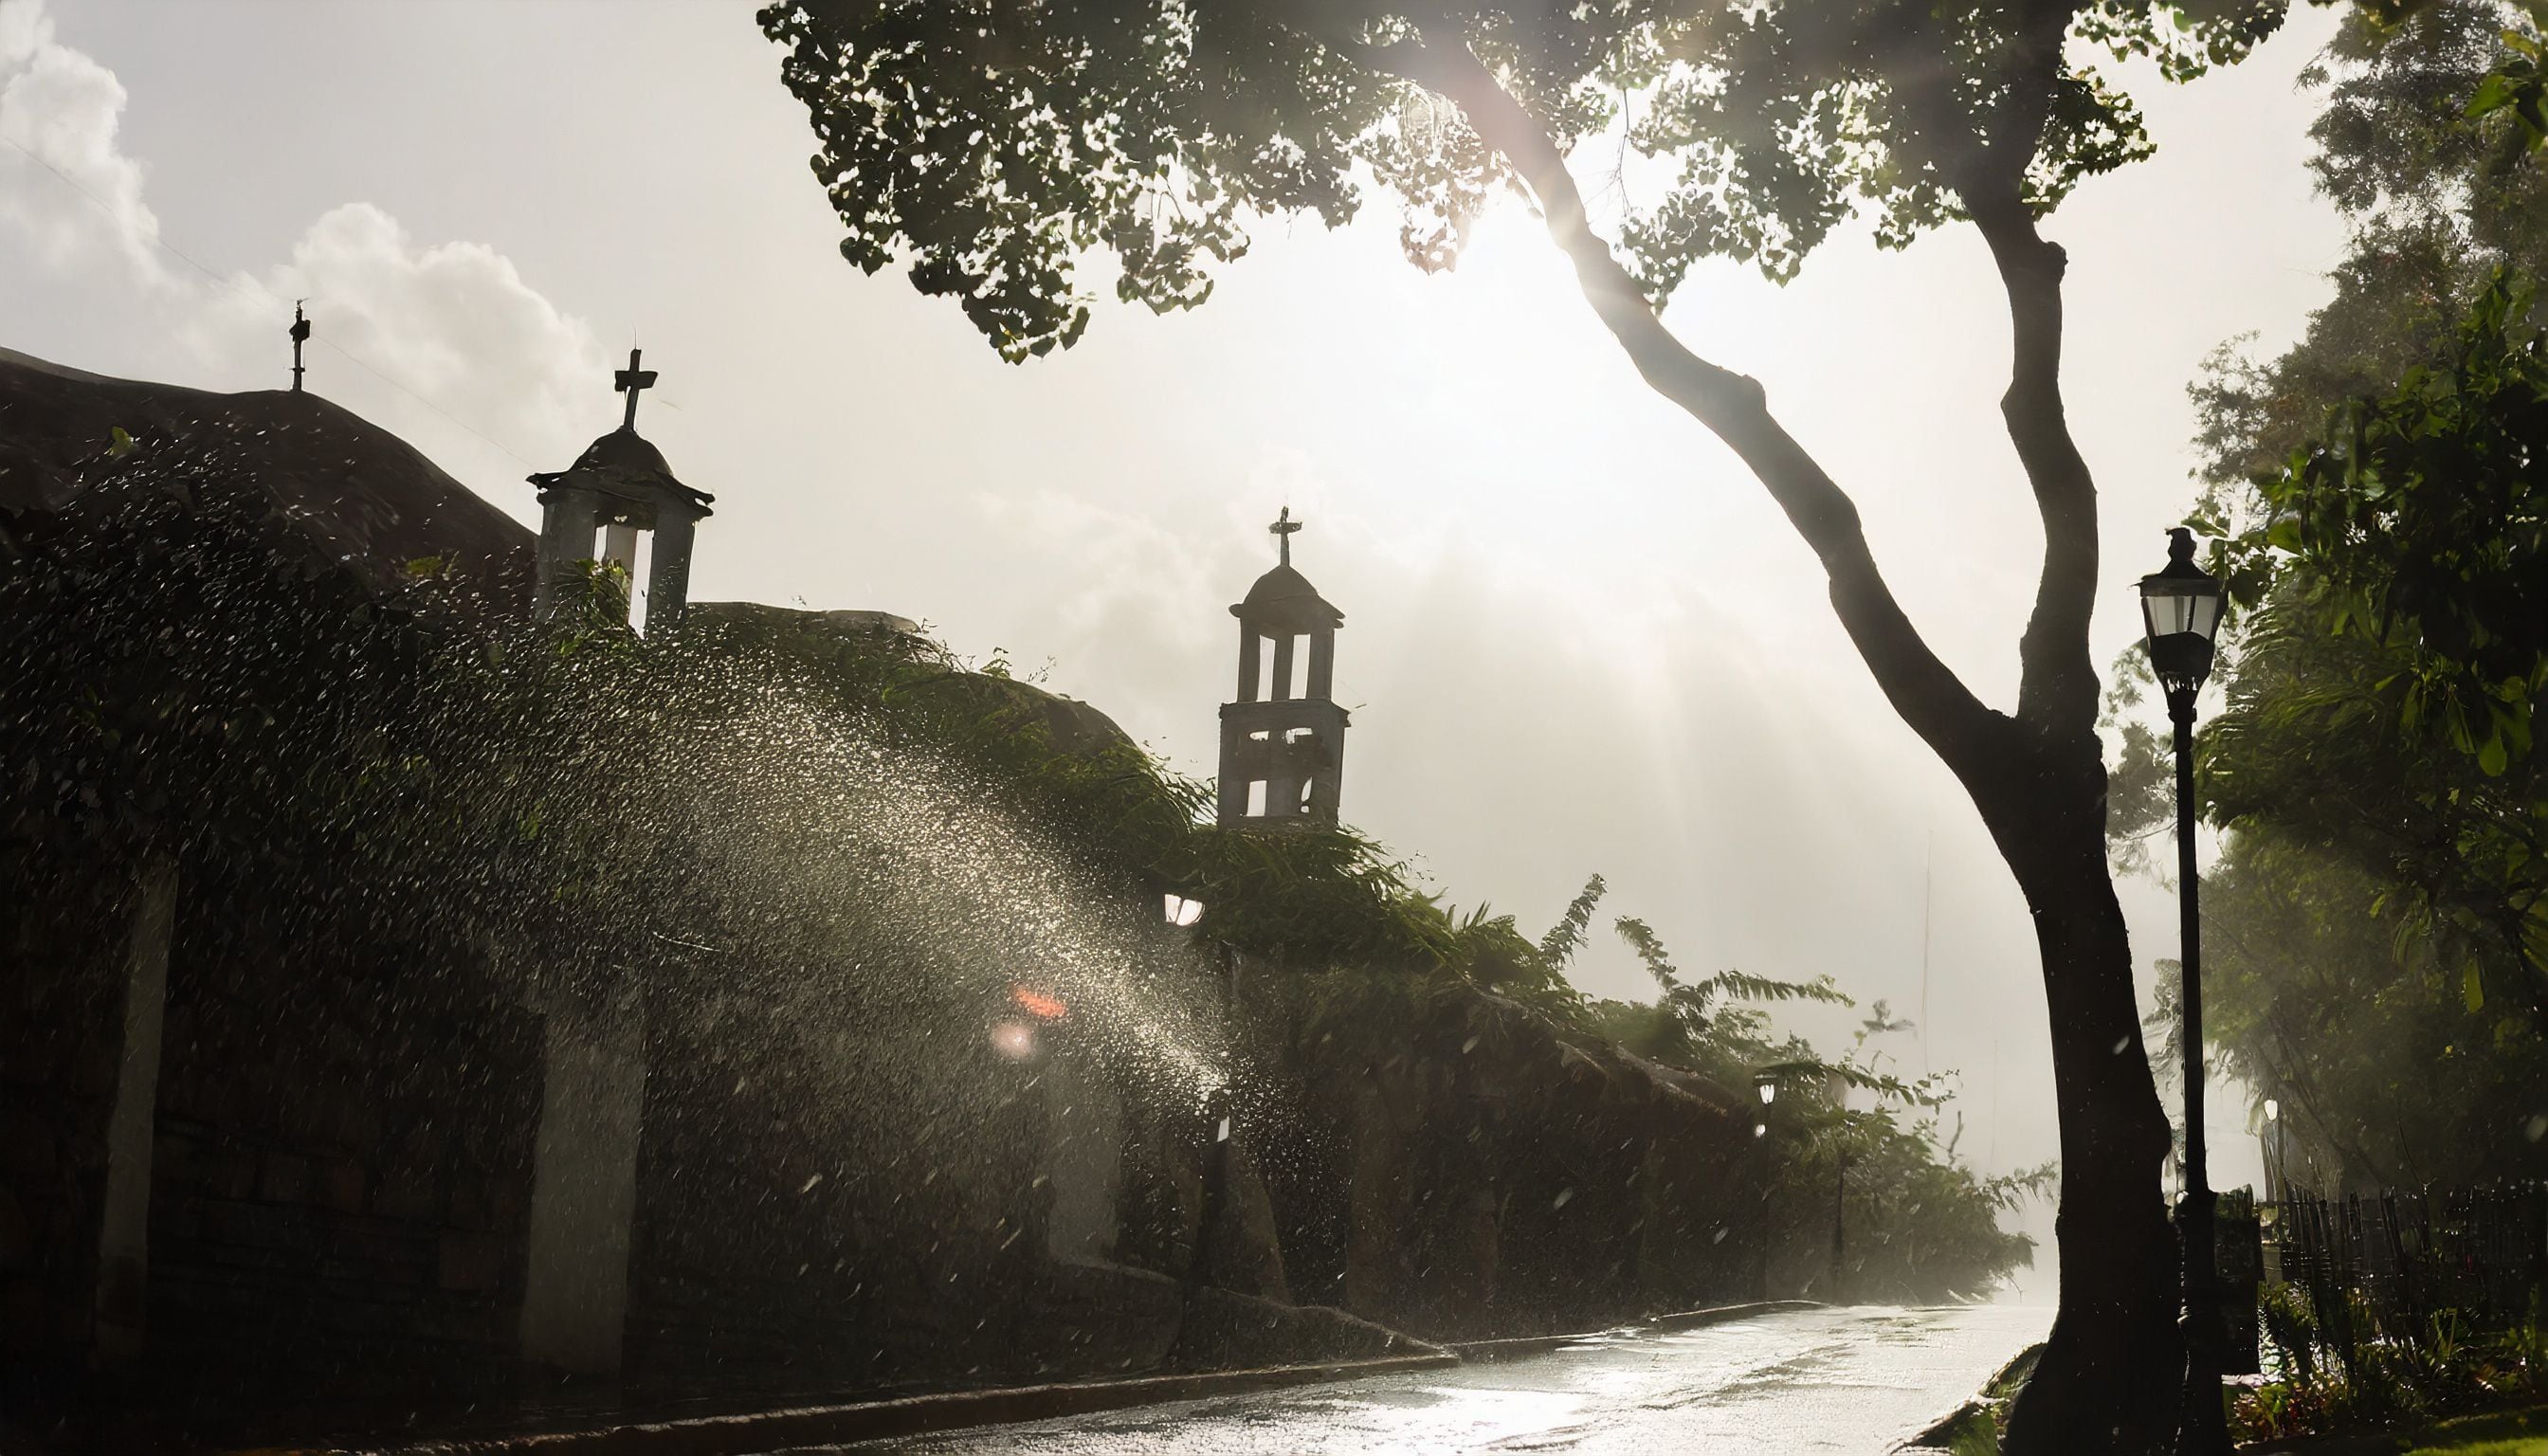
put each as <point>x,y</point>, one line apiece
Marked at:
<point>1283,597</point>
<point>622,463</point>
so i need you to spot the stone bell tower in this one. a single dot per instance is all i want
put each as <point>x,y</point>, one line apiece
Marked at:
<point>618,487</point>
<point>1282,754</point>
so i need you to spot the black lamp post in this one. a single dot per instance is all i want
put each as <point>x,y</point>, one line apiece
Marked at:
<point>1839,1213</point>
<point>2273,1150</point>
<point>1768,1086</point>
<point>2181,611</point>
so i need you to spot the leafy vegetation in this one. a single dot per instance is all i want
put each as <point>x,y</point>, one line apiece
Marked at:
<point>1927,1226</point>
<point>2375,1376</point>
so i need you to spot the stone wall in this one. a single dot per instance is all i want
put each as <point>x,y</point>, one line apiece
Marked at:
<point>1469,1170</point>
<point>341,1167</point>
<point>834,1204</point>
<point>342,1183</point>
<point>60,1038</point>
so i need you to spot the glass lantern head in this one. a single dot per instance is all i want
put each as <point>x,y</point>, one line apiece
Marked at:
<point>2180,617</point>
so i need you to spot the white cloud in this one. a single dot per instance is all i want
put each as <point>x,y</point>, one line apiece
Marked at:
<point>60,111</point>
<point>453,322</point>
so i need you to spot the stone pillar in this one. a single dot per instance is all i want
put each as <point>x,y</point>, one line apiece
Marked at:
<point>568,516</point>
<point>1322,664</point>
<point>1245,1249</point>
<point>1283,666</point>
<point>1084,1161</point>
<point>667,581</point>
<point>124,1223</point>
<point>1381,1196</point>
<point>583,1184</point>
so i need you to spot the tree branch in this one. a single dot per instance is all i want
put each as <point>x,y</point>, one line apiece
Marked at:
<point>2059,681</point>
<point>1985,161</point>
<point>1922,689</point>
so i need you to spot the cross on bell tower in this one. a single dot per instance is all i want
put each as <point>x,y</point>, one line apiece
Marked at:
<point>1282,755</point>
<point>632,382</point>
<point>1283,528</point>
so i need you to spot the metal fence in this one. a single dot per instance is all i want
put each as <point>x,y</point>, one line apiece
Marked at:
<point>2483,1252</point>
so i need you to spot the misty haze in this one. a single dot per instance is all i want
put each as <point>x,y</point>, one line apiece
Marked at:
<point>1266,726</point>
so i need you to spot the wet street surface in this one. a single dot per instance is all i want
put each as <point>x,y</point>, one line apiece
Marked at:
<point>1797,1381</point>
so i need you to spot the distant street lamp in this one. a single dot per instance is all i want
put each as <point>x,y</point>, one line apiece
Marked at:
<point>1840,1211</point>
<point>2181,611</point>
<point>1768,1086</point>
<point>2273,1149</point>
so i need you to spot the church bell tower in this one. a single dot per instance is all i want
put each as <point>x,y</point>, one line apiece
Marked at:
<point>1282,754</point>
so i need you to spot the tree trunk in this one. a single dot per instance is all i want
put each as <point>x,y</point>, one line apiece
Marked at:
<point>2114,1364</point>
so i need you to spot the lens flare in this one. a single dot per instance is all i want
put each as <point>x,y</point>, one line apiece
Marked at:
<point>1041,1005</point>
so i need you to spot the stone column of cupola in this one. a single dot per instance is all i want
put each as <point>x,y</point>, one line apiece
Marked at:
<point>569,516</point>
<point>1322,665</point>
<point>667,580</point>
<point>1283,666</point>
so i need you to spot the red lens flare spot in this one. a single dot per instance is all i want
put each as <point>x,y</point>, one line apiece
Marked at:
<point>1039,1005</point>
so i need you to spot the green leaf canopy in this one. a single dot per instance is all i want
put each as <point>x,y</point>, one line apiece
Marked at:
<point>991,147</point>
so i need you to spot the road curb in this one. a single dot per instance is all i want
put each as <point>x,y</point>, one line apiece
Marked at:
<point>1487,1351</point>
<point>1689,1319</point>
<point>831,1426</point>
<point>911,1416</point>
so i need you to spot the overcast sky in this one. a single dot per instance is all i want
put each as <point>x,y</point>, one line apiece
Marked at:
<point>1578,636</point>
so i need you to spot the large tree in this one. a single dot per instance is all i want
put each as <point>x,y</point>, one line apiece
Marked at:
<point>991,147</point>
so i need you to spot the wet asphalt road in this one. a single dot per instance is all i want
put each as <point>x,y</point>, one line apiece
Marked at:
<point>1773,1384</point>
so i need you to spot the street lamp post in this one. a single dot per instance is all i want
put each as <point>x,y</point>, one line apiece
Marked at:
<point>1839,1213</point>
<point>1768,1086</point>
<point>2278,1178</point>
<point>2181,612</point>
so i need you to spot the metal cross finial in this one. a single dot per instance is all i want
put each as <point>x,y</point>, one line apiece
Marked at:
<point>630,381</point>
<point>299,336</point>
<point>1283,528</point>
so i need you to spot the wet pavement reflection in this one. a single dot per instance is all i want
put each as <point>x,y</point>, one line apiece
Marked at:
<point>1796,1381</point>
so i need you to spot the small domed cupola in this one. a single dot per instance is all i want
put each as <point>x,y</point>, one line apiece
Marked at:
<point>1282,754</point>
<point>618,487</point>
